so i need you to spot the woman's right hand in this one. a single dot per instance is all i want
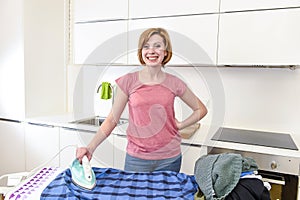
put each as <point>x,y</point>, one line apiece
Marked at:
<point>83,151</point>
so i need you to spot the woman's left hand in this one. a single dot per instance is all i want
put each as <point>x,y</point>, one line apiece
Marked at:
<point>178,124</point>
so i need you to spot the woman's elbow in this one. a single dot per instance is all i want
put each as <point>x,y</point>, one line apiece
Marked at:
<point>203,112</point>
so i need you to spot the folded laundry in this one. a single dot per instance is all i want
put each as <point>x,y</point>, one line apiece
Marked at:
<point>219,175</point>
<point>243,174</point>
<point>246,189</point>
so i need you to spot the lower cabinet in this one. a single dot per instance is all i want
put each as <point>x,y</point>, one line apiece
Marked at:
<point>70,139</point>
<point>120,143</point>
<point>35,145</point>
<point>41,146</point>
<point>12,156</point>
<point>190,154</point>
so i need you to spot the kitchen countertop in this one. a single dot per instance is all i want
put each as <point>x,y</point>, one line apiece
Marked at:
<point>202,136</point>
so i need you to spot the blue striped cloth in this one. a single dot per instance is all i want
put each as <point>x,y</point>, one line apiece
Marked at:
<point>114,184</point>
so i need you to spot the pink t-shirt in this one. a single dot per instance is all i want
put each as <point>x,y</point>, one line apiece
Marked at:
<point>152,133</point>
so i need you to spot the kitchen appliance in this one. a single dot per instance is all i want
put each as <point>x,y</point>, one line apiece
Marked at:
<point>281,171</point>
<point>82,174</point>
<point>253,137</point>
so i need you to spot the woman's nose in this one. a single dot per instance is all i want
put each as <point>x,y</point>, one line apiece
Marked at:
<point>151,49</point>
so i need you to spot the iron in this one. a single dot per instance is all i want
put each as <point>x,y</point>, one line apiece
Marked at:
<point>82,174</point>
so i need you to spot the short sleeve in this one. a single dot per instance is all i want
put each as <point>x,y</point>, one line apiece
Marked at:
<point>180,87</point>
<point>126,82</point>
<point>175,84</point>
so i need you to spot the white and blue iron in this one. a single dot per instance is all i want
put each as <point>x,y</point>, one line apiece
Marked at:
<point>83,174</point>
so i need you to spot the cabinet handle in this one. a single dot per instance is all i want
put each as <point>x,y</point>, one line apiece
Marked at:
<point>120,135</point>
<point>10,120</point>
<point>278,182</point>
<point>38,124</point>
<point>76,129</point>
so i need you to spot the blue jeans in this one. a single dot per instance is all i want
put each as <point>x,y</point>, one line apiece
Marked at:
<point>140,165</point>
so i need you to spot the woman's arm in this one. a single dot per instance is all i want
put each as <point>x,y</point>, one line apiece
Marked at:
<point>199,109</point>
<point>106,127</point>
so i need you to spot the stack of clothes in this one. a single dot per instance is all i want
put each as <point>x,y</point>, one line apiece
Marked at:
<point>229,176</point>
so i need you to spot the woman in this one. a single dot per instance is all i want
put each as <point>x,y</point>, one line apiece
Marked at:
<point>153,132</point>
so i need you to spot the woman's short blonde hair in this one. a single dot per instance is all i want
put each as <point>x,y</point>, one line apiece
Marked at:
<point>144,37</point>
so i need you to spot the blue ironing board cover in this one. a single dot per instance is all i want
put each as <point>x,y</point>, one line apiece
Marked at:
<point>114,184</point>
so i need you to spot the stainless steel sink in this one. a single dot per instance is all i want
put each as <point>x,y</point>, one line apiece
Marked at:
<point>96,121</point>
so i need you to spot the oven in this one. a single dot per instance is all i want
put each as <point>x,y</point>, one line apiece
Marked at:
<point>280,171</point>
<point>284,186</point>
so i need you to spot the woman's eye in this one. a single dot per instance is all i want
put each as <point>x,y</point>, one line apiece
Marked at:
<point>155,46</point>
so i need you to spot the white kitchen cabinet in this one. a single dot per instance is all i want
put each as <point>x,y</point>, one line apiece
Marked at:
<point>237,5</point>
<point>12,147</point>
<point>155,8</point>
<point>194,38</point>
<point>12,99</point>
<point>31,57</point>
<point>41,145</point>
<point>98,43</point>
<point>190,154</point>
<point>120,144</point>
<point>264,37</point>
<point>103,156</point>
<point>93,10</point>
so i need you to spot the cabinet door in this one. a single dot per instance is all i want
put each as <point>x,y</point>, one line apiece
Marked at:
<point>103,156</point>
<point>98,43</point>
<point>154,8</point>
<point>12,90</point>
<point>91,10</point>
<point>120,143</point>
<point>190,154</point>
<point>237,5</point>
<point>194,38</point>
<point>265,37</point>
<point>12,147</point>
<point>41,145</point>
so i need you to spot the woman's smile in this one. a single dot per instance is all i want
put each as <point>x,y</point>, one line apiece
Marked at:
<point>153,51</point>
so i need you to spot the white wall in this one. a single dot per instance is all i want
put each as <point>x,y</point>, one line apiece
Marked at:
<point>262,99</point>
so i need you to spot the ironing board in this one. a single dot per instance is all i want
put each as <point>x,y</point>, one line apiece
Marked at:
<point>117,184</point>
<point>32,187</point>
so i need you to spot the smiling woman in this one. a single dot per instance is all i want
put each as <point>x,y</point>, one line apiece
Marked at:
<point>153,131</point>
<point>157,40</point>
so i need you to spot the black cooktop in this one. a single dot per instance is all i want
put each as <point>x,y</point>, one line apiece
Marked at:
<point>261,138</point>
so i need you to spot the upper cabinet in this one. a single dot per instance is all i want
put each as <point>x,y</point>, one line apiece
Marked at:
<point>237,5</point>
<point>194,38</point>
<point>94,10</point>
<point>213,32</point>
<point>157,8</point>
<point>101,42</point>
<point>269,37</point>
<point>100,25</point>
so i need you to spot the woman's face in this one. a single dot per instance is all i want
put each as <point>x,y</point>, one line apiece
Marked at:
<point>153,51</point>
